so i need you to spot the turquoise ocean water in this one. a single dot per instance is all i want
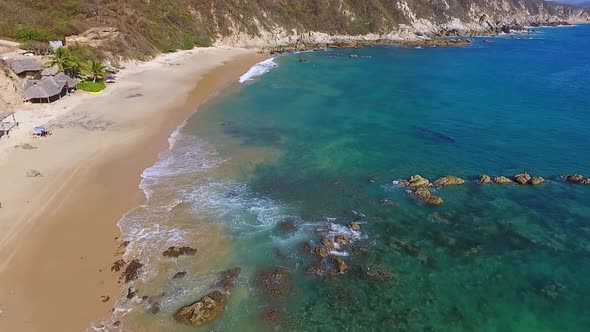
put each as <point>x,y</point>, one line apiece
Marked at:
<point>319,143</point>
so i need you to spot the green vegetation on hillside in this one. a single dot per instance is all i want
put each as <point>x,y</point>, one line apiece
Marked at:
<point>151,27</point>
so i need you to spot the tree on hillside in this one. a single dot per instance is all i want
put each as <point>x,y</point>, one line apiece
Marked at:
<point>96,70</point>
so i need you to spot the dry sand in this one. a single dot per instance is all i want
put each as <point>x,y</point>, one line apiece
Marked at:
<point>58,231</point>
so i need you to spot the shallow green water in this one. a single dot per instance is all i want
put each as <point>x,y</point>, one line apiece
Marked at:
<point>320,143</point>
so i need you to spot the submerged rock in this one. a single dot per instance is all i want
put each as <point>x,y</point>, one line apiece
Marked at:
<point>377,273</point>
<point>576,178</point>
<point>118,265</point>
<point>315,270</point>
<point>522,178</point>
<point>287,225</point>
<point>132,271</point>
<point>425,196</point>
<point>483,178</point>
<point>179,251</point>
<point>203,311</point>
<point>536,180</point>
<point>340,264</point>
<point>228,278</point>
<point>274,282</point>
<point>448,181</point>
<point>502,180</point>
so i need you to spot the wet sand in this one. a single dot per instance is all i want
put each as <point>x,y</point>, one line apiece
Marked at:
<point>58,231</point>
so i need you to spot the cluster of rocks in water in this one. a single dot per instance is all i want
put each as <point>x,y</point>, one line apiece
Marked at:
<point>438,41</point>
<point>421,186</point>
<point>212,305</point>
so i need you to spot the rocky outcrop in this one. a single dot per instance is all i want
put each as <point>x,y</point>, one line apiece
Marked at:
<point>211,306</point>
<point>502,180</point>
<point>425,196</point>
<point>576,179</point>
<point>203,311</point>
<point>448,181</point>
<point>483,178</point>
<point>522,178</point>
<point>536,180</point>
<point>179,251</point>
<point>340,264</point>
<point>417,181</point>
<point>355,226</point>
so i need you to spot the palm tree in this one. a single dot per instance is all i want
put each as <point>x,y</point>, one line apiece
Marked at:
<point>97,70</point>
<point>62,58</point>
<point>65,61</point>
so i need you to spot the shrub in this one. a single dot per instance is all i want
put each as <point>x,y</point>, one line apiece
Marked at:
<point>90,86</point>
<point>27,33</point>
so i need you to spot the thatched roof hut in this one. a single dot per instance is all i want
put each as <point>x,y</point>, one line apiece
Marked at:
<point>49,72</point>
<point>25,67</point>
<point>49,88</point>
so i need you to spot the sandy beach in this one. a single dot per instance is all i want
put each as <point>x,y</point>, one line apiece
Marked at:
<point>58,232</point>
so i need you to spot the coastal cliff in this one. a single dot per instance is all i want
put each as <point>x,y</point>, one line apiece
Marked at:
<point>137,29</point>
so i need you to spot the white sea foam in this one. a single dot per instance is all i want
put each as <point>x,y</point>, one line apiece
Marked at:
<point>258,69</point>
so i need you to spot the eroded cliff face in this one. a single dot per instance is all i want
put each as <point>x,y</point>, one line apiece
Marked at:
<point>143,28</point>
<point>392,21</point>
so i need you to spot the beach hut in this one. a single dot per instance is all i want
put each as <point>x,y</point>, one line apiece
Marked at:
<point>26,68</point>
<point>49,88</point>
<point>48,72</point>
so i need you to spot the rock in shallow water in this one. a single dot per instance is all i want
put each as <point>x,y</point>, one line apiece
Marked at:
<point>483,178</point>
<point>502,180</point>
<point>576,178</point>
<point>425,196</point>
<point>522,178</point>
<point>179,251</point>
<point>536,180</point>
<point>340,264</point>
<point>418,181</point>
<point>203,311</point>
<point>448,181</point>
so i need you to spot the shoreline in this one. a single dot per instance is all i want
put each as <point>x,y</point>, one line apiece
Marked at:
<point>59,231</point>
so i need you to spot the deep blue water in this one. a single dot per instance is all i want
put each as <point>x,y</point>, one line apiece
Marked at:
<point>320,142</point>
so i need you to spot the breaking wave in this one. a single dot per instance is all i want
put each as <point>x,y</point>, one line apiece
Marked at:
<point>258,69</point>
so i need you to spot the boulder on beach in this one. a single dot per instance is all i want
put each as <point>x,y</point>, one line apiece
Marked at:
<point>522,178</point>
<point>340,264</point>
<point>502,180</point>
<point>576,178</point>
<point>483,178</point>
<point>418,181</point>
<point>536,180</point>
<point>448,181</point>
<point>179,251</point>
<point>31,173</point>
<point>203,311</point>
<point>423,194</point>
